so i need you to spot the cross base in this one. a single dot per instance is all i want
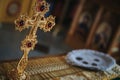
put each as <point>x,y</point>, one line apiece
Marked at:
<point>13,75</point>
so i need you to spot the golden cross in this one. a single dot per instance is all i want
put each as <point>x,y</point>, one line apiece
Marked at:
<point>36,21</point>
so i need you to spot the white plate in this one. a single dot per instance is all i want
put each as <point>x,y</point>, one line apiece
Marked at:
<point>90,59</point>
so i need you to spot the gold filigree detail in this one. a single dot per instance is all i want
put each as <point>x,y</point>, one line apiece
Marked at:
<point>50,23</point>
<point>37,21</point>
<point>21,23</point>
<point>41,7</point>
<point>29,43</point>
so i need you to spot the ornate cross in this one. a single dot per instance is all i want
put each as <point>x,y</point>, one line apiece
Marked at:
<point>37,21</point>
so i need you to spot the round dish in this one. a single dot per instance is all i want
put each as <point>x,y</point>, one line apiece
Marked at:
<point>90,59</point>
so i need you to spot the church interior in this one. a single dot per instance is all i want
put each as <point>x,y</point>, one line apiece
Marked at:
<point>59,40</point>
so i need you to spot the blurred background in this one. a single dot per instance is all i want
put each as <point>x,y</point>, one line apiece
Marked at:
<point>80,24</point>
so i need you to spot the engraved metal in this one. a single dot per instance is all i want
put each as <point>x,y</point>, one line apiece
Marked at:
<point>37,21</point>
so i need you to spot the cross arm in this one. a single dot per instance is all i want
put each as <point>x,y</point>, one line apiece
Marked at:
<point>23,22</point>
<point>46,24</point>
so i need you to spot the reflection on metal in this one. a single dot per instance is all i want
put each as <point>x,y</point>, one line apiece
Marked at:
<point>37,21</point>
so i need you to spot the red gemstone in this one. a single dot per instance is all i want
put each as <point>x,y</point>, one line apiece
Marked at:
<point>42,8</point>
<point>29,44</point>
<point>49,24</point>
<point>21,23</point>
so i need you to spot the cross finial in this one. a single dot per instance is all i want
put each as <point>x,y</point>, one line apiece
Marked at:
<point>37,21</point>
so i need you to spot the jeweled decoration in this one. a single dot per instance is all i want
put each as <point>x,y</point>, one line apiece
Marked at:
<point>37,21</point>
